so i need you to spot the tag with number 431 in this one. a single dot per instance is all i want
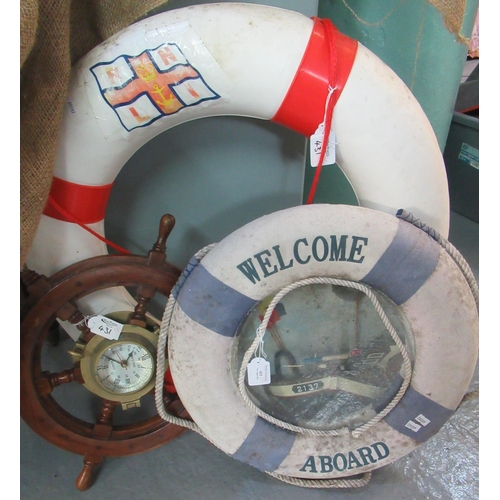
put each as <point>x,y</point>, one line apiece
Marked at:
<point>259,372</point>
<point>316,145</point>
<point>105,327</point>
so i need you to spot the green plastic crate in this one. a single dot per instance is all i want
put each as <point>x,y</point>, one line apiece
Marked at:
<point>461,156</point>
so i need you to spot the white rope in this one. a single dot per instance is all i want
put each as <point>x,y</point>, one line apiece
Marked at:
<point>450,249</point>
<point>160,406</point>
<point>459,261</point>
<point>324,483</point>
<point>308,483</point>
<point>262,330</point>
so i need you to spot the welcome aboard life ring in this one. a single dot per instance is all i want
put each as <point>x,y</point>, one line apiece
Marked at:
<point>221,291</point>
<point>200,61</point>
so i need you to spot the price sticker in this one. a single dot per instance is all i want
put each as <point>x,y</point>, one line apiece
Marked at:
<point>423,420</point>
<point>316,145</point>
<point>259,372</point>
<point>105,327</point>
<point>413,426</point>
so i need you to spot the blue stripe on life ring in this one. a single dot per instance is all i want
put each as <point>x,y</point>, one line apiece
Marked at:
<point>213,304</point>
<point>417,416</point>
<point>266,446</point>
<point>406,265</point>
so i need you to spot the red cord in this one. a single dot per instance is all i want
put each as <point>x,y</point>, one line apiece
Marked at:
<point>330,36</point>
<point>73,219</point>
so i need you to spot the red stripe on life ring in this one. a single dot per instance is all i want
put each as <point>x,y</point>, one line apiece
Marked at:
<point>303,108</point>
<point>87,204</point>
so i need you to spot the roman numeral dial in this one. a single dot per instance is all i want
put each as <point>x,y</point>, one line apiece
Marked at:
<point>124,368</point>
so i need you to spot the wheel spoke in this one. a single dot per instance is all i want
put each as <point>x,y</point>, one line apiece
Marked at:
<point>49,381</point>
<point>138,317</point>
<point>87,476</point>
<point>104,421</point>
<point>156,260</point>
<point>55,298</point>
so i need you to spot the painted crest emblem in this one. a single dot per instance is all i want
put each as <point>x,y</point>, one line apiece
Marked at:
<point>143,88</point>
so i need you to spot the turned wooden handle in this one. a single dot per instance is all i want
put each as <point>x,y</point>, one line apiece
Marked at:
<point>86,477</point>
<point>167,223</point>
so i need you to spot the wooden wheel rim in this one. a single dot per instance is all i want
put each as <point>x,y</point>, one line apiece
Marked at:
<point>42,413</point>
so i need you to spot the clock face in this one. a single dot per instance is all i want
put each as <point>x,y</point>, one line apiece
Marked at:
<point>124,368</point>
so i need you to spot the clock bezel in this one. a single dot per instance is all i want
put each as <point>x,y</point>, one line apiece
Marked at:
<point>146,338</point>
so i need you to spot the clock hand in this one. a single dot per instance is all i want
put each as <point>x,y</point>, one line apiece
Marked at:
<point>123,363</point>
<point>111,359</point>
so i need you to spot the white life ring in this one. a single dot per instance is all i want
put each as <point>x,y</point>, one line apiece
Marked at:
<point>387,254</point>
<point>200,61</point>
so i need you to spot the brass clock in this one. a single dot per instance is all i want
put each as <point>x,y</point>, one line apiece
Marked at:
<point>121,370</point>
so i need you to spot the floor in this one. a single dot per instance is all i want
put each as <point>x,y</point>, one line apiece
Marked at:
<point>190,468</point>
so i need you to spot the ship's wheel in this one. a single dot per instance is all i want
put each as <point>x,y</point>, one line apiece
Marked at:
<point>95,396</point>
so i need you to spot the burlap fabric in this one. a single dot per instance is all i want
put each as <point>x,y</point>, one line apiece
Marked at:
<point>54,35</point>
<point>453,13</point>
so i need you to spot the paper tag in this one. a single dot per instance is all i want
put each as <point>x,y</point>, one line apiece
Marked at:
<point>316,144</point>
<point>259,372</point>
<point>105,327</point>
